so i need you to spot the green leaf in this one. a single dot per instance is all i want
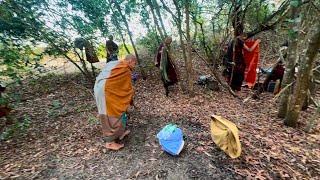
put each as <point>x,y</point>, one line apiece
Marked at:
<point>295,3</point>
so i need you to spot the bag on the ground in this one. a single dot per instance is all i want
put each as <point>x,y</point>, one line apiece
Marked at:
<point>171,139</point>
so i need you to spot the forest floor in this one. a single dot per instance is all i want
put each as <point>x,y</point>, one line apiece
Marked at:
<point>63,138</point>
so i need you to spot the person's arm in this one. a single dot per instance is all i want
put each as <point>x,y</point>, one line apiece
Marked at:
<point>253,46</point>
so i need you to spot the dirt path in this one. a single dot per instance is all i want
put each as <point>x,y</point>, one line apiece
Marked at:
<point>63,140</point>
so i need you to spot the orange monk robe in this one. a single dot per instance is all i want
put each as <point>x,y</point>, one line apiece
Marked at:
<point>252,60</point>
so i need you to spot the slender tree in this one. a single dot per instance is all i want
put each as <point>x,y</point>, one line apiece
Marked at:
<point>291,59</point>
<point>157,8</point>
<point>303,79</point>
<point>124,19</point>
<point>155,19</point>
<point>189,50</point>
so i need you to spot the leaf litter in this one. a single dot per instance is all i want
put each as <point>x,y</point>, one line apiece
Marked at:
<point>63,140</point>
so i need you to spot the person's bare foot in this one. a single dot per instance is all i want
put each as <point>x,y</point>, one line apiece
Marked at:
<point>124,134</point>
<point>114,146</point>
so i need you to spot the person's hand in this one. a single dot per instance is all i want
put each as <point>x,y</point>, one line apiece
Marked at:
<point>258,40</point>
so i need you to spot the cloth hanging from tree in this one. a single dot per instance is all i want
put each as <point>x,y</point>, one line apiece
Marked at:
<point>167,68</point>
<point>251,61</point>
<point>84,44</point>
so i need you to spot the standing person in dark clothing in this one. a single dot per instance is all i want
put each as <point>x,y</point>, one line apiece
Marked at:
<point>112,50</point>
<point>164,61</point>
<point>235,64</point>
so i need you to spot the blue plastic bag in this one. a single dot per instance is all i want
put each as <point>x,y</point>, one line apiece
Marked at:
<point>171,139</point>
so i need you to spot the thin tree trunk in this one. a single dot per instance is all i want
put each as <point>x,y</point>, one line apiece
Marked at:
<point>157,36</point>
<point>310,94</point>
<point>130,37</point>
<point>155,20</point>
<point>303,80</point>
<point>213,29</point>
<point>183,49</point>
<point>189,57</point>
<point>122,38</point>
<point>157,8</point>
<point>178,20</point>
<point>290,65</point>
<point>313,121</point>
<point>114,19</point>
<point>74,63</point>
<point>83,63</point>
<point>206,48</point>
<point>195,32</point>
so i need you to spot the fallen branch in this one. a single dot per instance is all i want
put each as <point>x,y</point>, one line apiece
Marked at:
<point>316,68</point>
<point>282,90</point>
<point>215,74</point>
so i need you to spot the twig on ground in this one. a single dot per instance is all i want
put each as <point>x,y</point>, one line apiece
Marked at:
<point>282,90</point>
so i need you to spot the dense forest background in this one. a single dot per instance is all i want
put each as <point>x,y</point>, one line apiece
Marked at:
<point>36,33</point>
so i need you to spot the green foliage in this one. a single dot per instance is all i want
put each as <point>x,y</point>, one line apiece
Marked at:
<point>257,13</point>
<point>149,42</point>
<point>123,51</point>
<point>16,129</point>
<point>101,51</point>
<point>53,111</point>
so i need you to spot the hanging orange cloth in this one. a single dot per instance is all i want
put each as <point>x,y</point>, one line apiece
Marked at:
<point>252,60</point>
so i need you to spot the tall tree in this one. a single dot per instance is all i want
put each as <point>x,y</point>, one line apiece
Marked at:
<point>178,21</point>
<point>157,8</point>
<point>189,50</point>
<point>303,79</point>
<point>291,58</point>
<point>155,19</point>
<point>124,19</point>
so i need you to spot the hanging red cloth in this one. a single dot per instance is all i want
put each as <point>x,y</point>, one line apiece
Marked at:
<point>252,60</point>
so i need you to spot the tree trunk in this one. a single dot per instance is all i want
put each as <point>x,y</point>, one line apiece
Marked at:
<point>189,57</point>
<point>83,63</point>
<point>206,48</point>
<point>123,39</point>
<point>313,121</point>
<point>178,20</point>
<point>195,32</point>
<point>119,32</point>
<point>290,63</point>
<point>310,94</point>
<point>157,8</point>
<point>303,79</point>
<point>155,20</point>
<point>130,37</point>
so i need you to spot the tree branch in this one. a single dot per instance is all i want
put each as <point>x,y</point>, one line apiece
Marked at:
<point>215,74</point>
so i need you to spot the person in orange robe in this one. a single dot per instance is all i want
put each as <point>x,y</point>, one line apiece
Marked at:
<point>251,59</point>
<point>114,94</point>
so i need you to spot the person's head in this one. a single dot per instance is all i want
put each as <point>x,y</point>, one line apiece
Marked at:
<point>243,36</point>
<point>110,38</point>
<point>168,40</point>
<point>131,60</point>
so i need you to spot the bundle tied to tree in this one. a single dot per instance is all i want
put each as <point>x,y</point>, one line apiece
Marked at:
<point>91,55</point>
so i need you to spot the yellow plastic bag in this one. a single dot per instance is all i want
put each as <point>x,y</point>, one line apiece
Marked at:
<point>225,134</point>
